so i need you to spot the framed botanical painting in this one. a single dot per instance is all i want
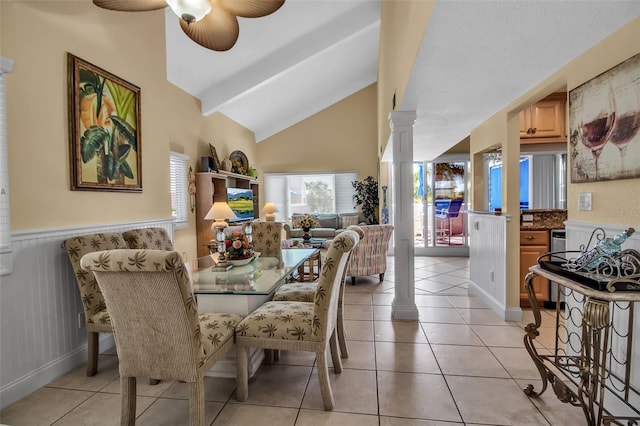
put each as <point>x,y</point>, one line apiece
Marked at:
<point>604,125</point>
<point>104,128</point>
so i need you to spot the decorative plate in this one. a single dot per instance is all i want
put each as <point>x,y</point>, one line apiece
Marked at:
<point>239,157</point>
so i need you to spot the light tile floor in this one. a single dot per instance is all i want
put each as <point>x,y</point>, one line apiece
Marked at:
<point>460,364</point>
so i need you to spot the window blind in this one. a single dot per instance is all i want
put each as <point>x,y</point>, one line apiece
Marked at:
<point>178,169</point>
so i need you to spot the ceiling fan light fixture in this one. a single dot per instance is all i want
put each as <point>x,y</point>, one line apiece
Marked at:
<point>190,10</point>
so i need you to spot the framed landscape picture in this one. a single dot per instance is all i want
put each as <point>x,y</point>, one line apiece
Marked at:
<point>104,128</point>
<point>604,125</point>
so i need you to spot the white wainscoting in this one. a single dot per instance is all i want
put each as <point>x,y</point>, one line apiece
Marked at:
<point>40,339</point>
<point>578,233</point>
<point>488,262</point>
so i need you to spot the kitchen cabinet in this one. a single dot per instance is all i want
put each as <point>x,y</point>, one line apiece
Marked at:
<point>532,245</point>
<point>544,121</point>
<point>212,187</point>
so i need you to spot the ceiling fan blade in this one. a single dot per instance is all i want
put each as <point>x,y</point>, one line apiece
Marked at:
<point>218,30</point>
<point>251,8</point>
<point>131,5</point>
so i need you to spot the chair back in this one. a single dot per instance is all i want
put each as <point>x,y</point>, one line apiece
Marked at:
<point>153,312</point>
<point>326,297</point>
<point>267,238</point>
<point>370,256</point>
<point>92,300</point>
<point>148,238</point>
<point>446,209</point>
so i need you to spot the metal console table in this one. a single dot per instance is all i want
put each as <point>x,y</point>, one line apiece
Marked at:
<point>590,365</point>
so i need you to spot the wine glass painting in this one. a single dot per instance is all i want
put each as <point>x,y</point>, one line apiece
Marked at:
<point>604,125</point>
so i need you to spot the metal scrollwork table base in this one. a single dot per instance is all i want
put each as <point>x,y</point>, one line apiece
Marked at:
<point>590,364</point>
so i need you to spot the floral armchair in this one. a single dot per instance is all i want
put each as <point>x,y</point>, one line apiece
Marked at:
<point>370,256</point>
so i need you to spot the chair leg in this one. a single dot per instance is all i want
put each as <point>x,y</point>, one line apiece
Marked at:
<point>335,356</point>
<point>353,280</point>
<point>128,405</point>
<point>382,277</point>
<point>93,351</point>
<point>268,356</point>
<point>276,355</point>
<point>242,373</point>
<point>323,379</point>
<point>196,403</point>
<point>342,338</point>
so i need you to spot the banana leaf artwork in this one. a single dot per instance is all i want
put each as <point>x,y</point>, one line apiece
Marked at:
<point>104,127</point>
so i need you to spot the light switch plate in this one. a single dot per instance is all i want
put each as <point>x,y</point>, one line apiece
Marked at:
<point>584,201</point>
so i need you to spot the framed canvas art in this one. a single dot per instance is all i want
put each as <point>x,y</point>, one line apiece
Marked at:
<point>104,128</point>
<point>604,124</point>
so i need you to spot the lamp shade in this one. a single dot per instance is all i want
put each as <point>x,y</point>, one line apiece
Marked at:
<point>190,10</point>
<point>270,209</point>
<point>219,212</point>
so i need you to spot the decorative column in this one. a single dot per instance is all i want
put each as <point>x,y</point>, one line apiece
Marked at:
<point>404,303</point>
<point>6,264</point>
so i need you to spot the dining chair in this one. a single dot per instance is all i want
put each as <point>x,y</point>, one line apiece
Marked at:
<point>305,292</point>
<point>97,319</point>
<point>299,326</point>
<point>148,238</point>
<point>157,328</point>
<point>267,238</point>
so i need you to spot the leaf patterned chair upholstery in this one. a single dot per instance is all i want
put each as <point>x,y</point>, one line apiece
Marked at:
<point>370,257</point>
<point>305,292</point>
<point>299,326</point>
<point>156,324</point>
<point>97,318</point>
<point>267,238</point>
<point>148,238</point>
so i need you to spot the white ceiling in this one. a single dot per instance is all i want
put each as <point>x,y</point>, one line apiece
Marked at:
<point>476,57</point>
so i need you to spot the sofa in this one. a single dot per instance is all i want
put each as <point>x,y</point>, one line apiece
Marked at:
<point>330,225</point>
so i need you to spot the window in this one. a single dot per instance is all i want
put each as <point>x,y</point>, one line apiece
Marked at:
<point>178,166</point>
<point>310,192</point>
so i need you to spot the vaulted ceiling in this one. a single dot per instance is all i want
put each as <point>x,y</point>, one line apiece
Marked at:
<point>476,57</point>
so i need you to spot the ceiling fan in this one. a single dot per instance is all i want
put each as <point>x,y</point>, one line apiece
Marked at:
<point>210,23</point>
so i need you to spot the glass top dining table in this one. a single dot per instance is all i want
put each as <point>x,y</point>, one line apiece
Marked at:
<point>259,277</point>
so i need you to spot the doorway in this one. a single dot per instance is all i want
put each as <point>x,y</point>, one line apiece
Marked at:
<point>440,194</point>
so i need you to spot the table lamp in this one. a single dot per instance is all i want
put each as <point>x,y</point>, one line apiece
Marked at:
<point>270,209</point>
<point>218,212</point>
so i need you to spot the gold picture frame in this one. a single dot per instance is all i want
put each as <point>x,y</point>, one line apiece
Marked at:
<point>104,129</point>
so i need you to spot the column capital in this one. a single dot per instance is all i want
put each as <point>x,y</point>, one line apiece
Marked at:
<point>6,65</point>
<point>402,118</point>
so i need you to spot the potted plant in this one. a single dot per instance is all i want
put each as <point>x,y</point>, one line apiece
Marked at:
<point>366,195</point>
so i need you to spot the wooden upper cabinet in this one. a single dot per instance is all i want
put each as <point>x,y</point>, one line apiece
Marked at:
<point>544,121</point>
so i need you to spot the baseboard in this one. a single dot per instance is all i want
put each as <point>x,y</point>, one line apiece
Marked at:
<point>507,313</point>
<point>404,312</point>
<point>44,375</point>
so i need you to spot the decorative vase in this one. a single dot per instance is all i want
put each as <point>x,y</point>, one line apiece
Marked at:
<point>307,235</point>
<point>385,210</point>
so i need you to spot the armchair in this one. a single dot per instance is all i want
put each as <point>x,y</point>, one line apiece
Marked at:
<point>370,256</point>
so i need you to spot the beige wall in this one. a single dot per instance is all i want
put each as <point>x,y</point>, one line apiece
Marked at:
<point>614,202</point>
<point>131,46</point>
<point>403,23</point>
<point>341,137</point>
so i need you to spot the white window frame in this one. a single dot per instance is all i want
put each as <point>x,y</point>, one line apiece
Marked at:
<point>282,199</point>
<point>178,185</point>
